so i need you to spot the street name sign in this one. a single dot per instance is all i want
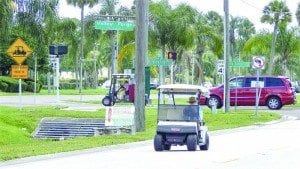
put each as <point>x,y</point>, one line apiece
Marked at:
<point>160,62</point>
<point>19,51</point>
<point>236,63</point>
<point>114,25</point>
<point>19,71</point>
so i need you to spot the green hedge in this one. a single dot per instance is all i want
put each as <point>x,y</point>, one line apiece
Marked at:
<point>8,84</point>
<point>67,85</point>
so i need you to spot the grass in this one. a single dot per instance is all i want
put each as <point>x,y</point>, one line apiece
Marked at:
<point>16,127</point>
<point>99,91</point>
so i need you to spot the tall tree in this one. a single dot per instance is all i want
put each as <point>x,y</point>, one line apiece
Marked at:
<point>241,29</point>
<point>81,4</point>
<point>275,13</point>
<point>206,38</point>
<point>160,29</point>
<point>6,16</point>
<point>289,51</point>
<point>298,14</point>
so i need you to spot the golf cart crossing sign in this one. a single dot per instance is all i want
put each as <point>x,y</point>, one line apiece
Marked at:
<point>19,51</point>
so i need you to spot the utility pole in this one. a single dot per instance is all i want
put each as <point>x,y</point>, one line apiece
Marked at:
<point>226,56</point>
<point>141,43</point>
<point>81,51</point>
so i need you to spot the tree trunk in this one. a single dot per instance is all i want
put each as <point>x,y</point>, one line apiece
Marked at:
<point>271,62</point>
<point>161,68</point>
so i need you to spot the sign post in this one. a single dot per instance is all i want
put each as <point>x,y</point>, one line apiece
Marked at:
<point>19,51</point>
<point>258,63</point>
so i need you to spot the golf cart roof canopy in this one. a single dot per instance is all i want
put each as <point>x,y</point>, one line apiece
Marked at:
<point>183,88</point>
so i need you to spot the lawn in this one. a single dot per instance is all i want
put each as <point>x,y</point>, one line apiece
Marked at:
<point>17,126</point>
<point>99,91</point>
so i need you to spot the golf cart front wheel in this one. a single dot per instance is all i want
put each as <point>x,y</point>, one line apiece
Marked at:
<point>191,142</point>
<point>158,143</point>
<point>107,101</point>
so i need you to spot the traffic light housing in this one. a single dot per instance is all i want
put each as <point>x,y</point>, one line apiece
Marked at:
<point>172,55</point>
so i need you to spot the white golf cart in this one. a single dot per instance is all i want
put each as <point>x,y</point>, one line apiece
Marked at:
<point>173,125</point>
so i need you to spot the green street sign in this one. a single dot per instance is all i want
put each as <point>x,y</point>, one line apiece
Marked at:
<point>114,25</point>
<point>160,62</point>
<point>239,64</point>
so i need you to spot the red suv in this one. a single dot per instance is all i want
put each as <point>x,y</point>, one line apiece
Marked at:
<point>274,92</point>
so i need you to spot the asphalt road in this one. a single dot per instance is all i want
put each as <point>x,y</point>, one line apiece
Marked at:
<point>265,146</point>
<point>271,146</point>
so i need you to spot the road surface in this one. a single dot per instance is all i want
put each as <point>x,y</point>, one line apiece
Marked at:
<point>271,146</point>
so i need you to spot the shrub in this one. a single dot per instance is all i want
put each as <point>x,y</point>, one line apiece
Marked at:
<point>3,86</point>
<point>8,84</point>
<point>67,85</point>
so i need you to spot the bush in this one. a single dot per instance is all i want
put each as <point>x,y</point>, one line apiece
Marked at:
<point>3,86</point>
<point>67,85</point>
<point>30,86</point>
<point>8,84</point>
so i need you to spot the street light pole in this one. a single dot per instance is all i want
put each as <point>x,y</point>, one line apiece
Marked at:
<point>226,56</point>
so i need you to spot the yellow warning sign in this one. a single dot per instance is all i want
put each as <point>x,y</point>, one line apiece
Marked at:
<point>19,51</point>
<point>19,71</point>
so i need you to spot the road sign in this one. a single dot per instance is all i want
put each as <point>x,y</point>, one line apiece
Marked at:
<point>114,25</point>
<point>19,71</point>
<point>258,62</point>
<point>160,62</point>
<point>19,51</point>
<point>220,67</point>
<point>237,63</point>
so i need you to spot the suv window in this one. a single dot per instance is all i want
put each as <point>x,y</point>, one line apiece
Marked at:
<point>237,82</point>
<point>251,82</point>
<point>271,82</point>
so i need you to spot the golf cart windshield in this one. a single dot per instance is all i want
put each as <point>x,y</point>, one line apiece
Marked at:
<point>175,102</point>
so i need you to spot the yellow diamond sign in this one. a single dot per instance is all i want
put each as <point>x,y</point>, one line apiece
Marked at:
<point>19,51</point>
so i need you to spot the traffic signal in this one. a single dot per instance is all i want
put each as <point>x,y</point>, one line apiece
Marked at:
<point>172,55</point>
<point>58,50</point>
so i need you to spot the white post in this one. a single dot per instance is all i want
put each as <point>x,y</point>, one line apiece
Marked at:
<point>256,92</point>
<point>57,80</point>
<point>20,91</point>
<point>172,72</point>
<point>35,78</point>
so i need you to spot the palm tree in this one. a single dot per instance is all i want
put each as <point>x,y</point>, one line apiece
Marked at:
<point>6,14</point>
<point>275,13</point>
<point>81,4</point>
<point>289,50</point>
<point>207,38</point>
<point>258,45</point>
<point>160,28</point>
<point>241,29</point>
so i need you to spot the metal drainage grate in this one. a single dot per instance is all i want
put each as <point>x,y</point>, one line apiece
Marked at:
<point>63,128</point>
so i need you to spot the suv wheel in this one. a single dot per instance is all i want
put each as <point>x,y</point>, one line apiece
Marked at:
<point>274,103</point>
<point>214,100</point>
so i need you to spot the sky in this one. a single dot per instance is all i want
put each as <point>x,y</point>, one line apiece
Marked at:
<point>252,9</point>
